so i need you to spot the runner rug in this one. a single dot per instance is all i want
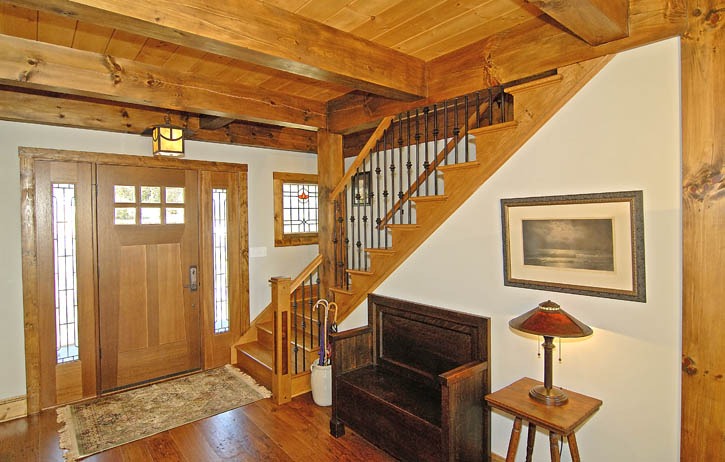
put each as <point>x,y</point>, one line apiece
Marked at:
<point>113,420</point>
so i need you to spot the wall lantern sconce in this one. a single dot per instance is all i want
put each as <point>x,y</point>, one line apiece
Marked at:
<point>168,140</point>
<point>549,321</point>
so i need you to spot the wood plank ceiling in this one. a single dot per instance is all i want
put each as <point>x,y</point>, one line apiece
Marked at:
<point>271,73</point>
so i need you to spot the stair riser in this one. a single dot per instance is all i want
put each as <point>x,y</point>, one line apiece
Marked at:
<point>258,371</point>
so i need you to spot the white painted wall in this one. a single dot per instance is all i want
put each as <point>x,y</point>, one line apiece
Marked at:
<point>621,132</point>
<point>287,261</point>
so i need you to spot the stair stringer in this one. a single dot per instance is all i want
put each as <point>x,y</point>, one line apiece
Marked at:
<point>534,104</point>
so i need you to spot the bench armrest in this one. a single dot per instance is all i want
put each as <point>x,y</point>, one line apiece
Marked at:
<point>468,371</point>
<point>351,349</point>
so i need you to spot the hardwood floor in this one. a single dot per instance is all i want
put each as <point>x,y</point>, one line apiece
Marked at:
<point>261,431</point>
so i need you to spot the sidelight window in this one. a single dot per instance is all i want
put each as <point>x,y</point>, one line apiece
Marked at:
<point>220,257</point>
<point>66,280</point>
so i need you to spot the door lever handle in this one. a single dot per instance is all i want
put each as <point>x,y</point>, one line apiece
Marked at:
<point>193,279</point>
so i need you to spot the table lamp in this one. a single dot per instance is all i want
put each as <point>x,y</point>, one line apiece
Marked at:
<point>549,321</point>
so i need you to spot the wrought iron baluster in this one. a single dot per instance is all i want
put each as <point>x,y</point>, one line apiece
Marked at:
<point>417,152</point>
<point>378,220</point>
<point>445,132</point>
<point>408,166</point>
<point>400,167</point>
<point>311,304</point>
<point>294,326</point>
<point>346,255</point>
<point>336,242</point>
<point>426,164</point>
<point>435,149</point>
<point>478,109</point>
<point>304,323</point>
<point>385,183</point>
<point>367,201</point>
<point>490,106</point>
<point>465,121</point>
<point>456,128</point>
<point>358,199</point>
<point>392,173</point>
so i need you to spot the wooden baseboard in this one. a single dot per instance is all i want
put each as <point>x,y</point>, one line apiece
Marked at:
<point>497,458</point>
<point>13,408</point>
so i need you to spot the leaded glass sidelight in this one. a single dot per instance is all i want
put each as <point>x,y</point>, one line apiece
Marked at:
<point>220,258</point>
<point>66,281</point>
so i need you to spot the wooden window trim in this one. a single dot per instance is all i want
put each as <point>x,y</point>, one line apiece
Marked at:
<point>280,238</point>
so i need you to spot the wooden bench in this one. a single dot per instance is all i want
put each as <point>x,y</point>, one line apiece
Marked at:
<point>413,381</point>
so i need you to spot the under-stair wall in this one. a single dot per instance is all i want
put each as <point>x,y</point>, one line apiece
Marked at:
<point>452,174</point>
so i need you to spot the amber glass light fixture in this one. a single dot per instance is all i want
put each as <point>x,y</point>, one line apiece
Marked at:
<point>168,140</point>
<point>549,321</point>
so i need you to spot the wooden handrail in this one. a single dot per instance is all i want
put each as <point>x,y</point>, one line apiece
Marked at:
<point>309,269</point>
<point>364,153</point>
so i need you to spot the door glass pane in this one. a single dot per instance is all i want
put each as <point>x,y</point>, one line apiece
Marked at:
<point>150,216</point>
<point>221,273</point>
<point>125,216</point>
<point>151,194</point>
<point>66,282</point>
<point>174,195</point>
<point>174,216</point>
<point>124,194</point>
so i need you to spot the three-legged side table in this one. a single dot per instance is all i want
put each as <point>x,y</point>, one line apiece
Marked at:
<point>560,421</point>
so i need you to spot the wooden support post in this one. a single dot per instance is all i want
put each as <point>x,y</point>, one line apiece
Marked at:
<point>281,373</point>
<point>703,232</point>
<point>329,173</point>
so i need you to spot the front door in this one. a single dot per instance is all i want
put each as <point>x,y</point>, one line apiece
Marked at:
<point>147,271</point>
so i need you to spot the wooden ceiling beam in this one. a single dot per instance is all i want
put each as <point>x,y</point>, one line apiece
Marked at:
<point>532,48</point>
<point>594,21</point>
<point>48,109</point>
<point>260,33</point>
<point>538,45</point>
<point>31,64</point>
<point>213,123</point>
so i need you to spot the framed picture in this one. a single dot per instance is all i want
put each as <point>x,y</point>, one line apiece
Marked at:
<point>361,187</point>
<point>586,244</point>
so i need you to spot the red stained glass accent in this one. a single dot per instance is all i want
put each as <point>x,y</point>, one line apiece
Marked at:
<point>303,195</point>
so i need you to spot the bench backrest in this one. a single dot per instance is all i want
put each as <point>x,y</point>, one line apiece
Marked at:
<point>421,341</point>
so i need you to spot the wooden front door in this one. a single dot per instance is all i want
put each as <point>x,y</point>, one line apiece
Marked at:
<point>147,249</point>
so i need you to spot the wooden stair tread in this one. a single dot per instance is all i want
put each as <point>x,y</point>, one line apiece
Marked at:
<point>404,227</point>
<point>360,272</point>
<point>388,251</point>
<point>458,167</point>
<point>492,129</point>
<point>534,84</point>
<point>257,352</point>
<point>440,198</point>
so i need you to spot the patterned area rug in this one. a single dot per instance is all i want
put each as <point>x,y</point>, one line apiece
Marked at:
<point>113,420</point>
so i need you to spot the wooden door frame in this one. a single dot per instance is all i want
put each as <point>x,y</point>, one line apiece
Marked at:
<point>31,309</point>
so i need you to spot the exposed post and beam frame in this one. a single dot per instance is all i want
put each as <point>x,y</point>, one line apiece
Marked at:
<point>47,67</point>
<point>29,107</point>
<point>259,33</point>
<point>594,21</point>
<point>531,48</point>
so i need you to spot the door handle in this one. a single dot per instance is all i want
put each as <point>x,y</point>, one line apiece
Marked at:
<point>193,279</point>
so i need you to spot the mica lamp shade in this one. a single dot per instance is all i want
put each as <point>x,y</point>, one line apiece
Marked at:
<point>168,140</point>
<point>549,321</point>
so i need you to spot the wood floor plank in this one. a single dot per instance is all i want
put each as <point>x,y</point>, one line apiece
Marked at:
<point>261,431</point>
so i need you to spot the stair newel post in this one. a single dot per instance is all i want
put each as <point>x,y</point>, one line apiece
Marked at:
<point>329,173</point>
<point>281,373</point>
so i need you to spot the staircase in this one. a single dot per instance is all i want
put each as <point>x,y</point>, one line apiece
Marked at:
<point>372,254</point>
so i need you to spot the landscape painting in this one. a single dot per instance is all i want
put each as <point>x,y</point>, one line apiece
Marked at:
<point>587,244</point>
<point>582,244</point>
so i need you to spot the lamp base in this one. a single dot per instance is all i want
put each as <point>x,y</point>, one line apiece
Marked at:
<point>550,397</point>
